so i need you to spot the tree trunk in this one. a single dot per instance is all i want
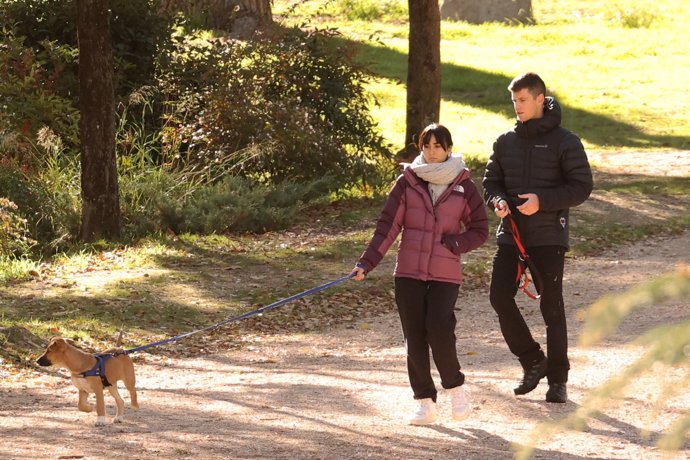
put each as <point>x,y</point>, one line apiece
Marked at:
<point>423,70</point>
<point>239,17</point>
<point>99,188</point>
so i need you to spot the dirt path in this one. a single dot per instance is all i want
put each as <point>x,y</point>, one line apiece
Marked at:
<point>343,393</point>
<point>662,163</point>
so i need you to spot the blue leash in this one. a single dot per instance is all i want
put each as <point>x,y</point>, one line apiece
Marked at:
<point>243,315</point>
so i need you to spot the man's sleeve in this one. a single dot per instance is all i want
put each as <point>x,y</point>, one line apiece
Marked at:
<point>493,182</point>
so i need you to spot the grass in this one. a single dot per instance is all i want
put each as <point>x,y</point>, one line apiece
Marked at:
<point>646,186</point>
<point>619,77</point>
<point>13,269</point>
<point>621,88</point>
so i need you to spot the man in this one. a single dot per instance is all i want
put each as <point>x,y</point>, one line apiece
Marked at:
<point>538,170</point>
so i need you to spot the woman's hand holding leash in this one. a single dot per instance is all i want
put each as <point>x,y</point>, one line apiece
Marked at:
<point>359,273</point>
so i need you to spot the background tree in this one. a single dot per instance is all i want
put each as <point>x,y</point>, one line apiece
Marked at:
<point>423,70</point>
<point>99,187</point>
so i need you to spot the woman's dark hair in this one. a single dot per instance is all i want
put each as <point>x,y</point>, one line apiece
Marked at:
<point>441,134</point>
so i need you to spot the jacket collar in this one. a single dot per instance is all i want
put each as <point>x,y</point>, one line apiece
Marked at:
<point>538,126</point>
<point>416,182</point>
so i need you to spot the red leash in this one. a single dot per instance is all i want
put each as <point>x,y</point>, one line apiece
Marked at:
<point>525,264</point>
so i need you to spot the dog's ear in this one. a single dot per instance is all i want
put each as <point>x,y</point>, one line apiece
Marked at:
<point>60,342</point>
<point>71,342</point>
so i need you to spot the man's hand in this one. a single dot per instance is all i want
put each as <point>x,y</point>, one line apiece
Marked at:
<point>530,206</point>
<point>501,209</point>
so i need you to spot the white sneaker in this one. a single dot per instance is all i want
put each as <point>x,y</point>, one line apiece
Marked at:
<point>426,413</point>
<point>460,403</point>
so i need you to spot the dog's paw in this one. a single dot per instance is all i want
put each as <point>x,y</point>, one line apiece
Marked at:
<point>118,419</point>
<point>87,408</point>
<point>100,421</point>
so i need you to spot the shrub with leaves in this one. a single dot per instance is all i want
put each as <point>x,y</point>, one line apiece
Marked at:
<point>371,10</point>
<point>633,15</point>
<point>28,100</point>
<point>299,97</point>
<point>139,32</point>
<point>38,168</point>
<point>46,194</point>
<point>158,195</point>
<point>14,239</point>
<point>237,204</point>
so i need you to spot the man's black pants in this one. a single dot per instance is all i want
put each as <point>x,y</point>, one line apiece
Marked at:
<point>549,261</point>
<point>427,315</point>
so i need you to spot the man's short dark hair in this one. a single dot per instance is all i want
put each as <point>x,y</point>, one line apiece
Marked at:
<point>530,80</point>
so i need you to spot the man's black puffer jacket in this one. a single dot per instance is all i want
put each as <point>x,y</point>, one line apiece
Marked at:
<point>538,156</point>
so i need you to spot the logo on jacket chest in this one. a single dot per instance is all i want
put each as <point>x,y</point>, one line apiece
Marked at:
<point>541,146</point>
<point>459,189</point>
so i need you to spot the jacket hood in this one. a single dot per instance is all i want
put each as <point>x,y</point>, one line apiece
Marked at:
<point>538,126</point>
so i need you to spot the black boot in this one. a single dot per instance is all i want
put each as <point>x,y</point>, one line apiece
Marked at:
<point>558,393</point>
<point>533,374</point>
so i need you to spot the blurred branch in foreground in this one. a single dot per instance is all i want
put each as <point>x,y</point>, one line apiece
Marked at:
<point>667,345</point>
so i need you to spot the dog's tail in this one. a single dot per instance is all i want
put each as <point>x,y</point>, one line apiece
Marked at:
<point>118,344</point>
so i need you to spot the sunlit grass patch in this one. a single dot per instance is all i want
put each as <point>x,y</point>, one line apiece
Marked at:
<point>17,269</point>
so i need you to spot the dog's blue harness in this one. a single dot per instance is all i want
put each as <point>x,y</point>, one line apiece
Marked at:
<point>99,369</point>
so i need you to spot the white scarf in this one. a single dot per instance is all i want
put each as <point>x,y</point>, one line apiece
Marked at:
<point>438,175</point>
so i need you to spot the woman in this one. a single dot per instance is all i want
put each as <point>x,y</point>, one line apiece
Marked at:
<point>441,215</point>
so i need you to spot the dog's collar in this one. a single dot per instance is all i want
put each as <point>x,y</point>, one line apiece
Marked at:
<point>99,369</point>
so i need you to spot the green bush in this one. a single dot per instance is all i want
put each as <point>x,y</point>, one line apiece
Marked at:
<point>237,204</point>
<point>244,124</point>
<point>14,239</point>
<point>49,202</point>
<point>370,10</point>
<point>639,15</point>
<point>153,200</point>
<point>299,98</point>
<point>156,195</point>
<point>38,169</point>
<point>28,100</point>
<point>139,33</point>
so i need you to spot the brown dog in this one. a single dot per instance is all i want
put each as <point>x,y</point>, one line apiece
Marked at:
<point>116,366</point>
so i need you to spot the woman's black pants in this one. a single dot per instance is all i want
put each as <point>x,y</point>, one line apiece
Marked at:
<point>427,315</point>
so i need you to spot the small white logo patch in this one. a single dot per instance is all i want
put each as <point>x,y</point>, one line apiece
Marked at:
<point>459,188</point>
<point>563,222</point>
